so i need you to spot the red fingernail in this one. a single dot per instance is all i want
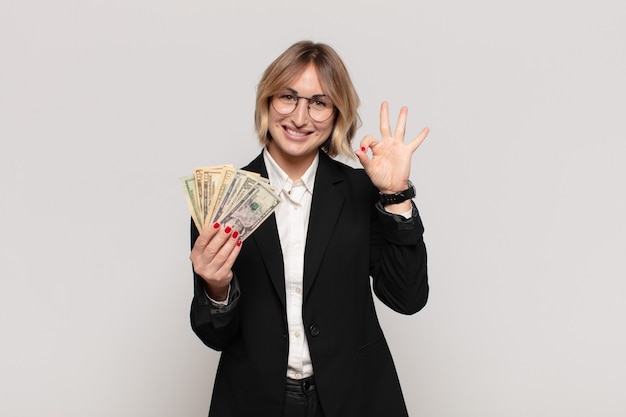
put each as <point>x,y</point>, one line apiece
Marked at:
<point>216,225</point>
<point>363,149</point>
<point>235,234</point>
<point>228,229</point>
<point>239,243</point>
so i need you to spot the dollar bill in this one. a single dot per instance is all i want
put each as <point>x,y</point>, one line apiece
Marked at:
<point>188,183</point>
<point>207,180</point>
<point>222,179</point>
<point>251,211</point>
<point>238,198</point>
<point>240,185</point>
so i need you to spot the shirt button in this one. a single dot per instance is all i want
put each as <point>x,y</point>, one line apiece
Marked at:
<point>314,330</point>
<point>298,290</point>
<point>298,376</point>
<point>297,334</point>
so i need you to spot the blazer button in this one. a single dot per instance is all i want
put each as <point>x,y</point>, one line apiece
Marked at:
<point>314,330</point>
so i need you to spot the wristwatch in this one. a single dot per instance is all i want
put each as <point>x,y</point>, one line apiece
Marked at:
<point>397,197</point>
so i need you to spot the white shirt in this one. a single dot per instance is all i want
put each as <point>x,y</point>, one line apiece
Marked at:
<point>292,220</point>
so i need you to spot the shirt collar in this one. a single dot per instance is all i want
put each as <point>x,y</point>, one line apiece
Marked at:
<point>279,179</point>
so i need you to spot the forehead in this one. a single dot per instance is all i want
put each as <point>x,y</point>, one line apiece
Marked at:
<point>306,81</point>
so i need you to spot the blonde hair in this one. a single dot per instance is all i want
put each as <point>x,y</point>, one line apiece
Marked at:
<point>335,81</point>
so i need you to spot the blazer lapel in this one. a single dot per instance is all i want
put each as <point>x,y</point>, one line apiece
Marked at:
<point>326,205</point>
<point>265,237</point>
<point>328,198</point>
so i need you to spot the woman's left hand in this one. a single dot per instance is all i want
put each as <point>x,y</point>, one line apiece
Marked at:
<point>390,165</point>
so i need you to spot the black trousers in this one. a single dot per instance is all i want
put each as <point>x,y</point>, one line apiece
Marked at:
<point>301,399</point>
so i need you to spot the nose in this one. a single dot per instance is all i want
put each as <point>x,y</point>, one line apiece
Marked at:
<point>300,115</point>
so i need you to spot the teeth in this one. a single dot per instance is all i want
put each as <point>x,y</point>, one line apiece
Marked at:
<point>294,133</point>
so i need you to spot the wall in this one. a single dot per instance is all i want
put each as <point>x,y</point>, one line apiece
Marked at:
<point>104,104</point>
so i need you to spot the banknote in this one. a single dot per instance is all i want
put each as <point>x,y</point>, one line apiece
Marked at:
<point>219,178</point>
<point>189,187</point>
<point>234,197</point>
<point>207,181</point>
<point>251,210</point>
<point>240,184</point>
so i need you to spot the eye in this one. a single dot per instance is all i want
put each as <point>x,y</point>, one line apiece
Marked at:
<point>321,103</point>
<point>287,97</point>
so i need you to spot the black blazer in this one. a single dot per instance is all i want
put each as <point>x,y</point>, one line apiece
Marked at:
<point>349,239</point>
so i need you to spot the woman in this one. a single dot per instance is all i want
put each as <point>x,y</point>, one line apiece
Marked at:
<point>292,309</point>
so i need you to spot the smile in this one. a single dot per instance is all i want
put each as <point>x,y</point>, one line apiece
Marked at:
<point>295,133</point>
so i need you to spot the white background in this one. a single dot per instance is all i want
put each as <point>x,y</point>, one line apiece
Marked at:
<point>105,104</point>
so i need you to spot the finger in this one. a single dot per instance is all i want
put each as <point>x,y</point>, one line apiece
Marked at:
<point>214,263</point>
<point>216,244</point>
<point>385,129</point>
<point>415,143</point>
<point>363,158</point>
<point>401,126</point>
<point>221,258</point>
<point>365,144</point>
<point>206,235</point>
<point>235,248</point>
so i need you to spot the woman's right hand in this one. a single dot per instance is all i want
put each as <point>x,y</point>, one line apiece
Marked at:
<point>213,255</point>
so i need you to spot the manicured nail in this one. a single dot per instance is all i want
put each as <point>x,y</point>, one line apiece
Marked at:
<point>216,225</point>
<point>239,243</point>
<point>235,234</point>
<point>227,230</point>
<point>363,149</point>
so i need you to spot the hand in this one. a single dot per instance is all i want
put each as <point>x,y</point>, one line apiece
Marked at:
<point>213,255</point>
<point>390,165</point>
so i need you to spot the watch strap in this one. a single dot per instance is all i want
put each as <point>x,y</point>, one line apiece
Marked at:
<point>396,198</point>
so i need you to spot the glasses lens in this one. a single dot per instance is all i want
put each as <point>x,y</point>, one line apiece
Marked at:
<point>284,102</point>
<point>320,107</point>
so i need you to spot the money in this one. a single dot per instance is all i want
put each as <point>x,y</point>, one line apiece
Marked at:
<point>240,199</point>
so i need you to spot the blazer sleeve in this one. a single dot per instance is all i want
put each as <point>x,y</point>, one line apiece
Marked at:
<point>398,260</point>
<point>215,326</point>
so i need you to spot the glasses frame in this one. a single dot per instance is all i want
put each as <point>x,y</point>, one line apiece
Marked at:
<point>308,105</point>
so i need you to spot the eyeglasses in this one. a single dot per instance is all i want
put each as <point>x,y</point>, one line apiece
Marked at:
<point>320,107</point>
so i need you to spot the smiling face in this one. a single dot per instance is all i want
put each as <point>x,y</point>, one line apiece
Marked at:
<point>295,137</point>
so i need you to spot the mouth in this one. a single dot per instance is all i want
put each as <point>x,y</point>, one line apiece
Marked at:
<point>296,134</point>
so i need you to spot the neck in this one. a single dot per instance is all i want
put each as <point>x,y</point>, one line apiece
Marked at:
<point>294,166</point>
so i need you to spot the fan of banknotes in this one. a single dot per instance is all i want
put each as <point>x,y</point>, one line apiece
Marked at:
<point>234,197</point>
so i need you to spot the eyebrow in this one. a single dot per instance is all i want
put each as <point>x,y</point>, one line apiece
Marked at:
<point>296,93</point>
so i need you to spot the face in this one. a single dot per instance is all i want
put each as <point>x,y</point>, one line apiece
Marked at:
<point>296,138</point>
